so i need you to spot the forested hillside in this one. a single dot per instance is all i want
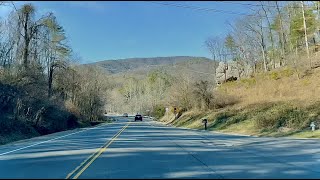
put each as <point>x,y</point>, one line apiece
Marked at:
<point>134,64</point>
<point>273,54</point>
<point>42,89</point>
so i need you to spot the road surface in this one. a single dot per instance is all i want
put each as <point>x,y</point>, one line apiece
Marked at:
<point>148,149</point>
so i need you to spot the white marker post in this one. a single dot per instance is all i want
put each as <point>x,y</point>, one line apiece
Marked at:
<point>167,112</point>
<point>312,125</point>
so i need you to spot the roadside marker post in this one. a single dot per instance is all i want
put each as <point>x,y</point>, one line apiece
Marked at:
<point>205,121</point>
<point>312,125</point>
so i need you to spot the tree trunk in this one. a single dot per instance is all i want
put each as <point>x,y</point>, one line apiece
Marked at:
<point>270,34</point>
<point>282,36</point>
<point>26,41</point>
<point>264,59</point>
<point>263,47</point>
<point>305,32</point>
<point>290,43</point>
<point>225,68</point>
<point>50,79</point>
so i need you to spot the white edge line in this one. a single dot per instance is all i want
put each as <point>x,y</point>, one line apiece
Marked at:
<point>46,141</point>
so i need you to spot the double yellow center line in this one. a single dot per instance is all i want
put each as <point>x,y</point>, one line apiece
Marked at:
<point>85,164</point>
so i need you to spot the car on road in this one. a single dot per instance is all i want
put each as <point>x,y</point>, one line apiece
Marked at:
<point>125,115</point>
<point>138,117</point>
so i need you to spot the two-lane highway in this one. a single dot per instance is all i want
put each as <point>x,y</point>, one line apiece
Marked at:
<point>128,149</point>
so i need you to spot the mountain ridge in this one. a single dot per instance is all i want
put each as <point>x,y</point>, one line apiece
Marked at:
<point>116,66</point>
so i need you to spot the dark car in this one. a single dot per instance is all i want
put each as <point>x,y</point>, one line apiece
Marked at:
<point>138,117</point>
<point>125,115</point>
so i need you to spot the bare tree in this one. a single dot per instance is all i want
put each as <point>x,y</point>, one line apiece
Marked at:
<point>213,46</point>
<point>282,36</point>
<point>305,31</point>
<point>270,33</point>
<point>56,49</point>
<point>254,25</point>
<point>203,92</point>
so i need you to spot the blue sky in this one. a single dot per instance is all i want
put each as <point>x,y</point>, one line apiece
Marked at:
<point>118,29</point>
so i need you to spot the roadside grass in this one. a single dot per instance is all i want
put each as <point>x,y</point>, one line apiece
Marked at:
<point>307,134</point>
<point>272,119</point>
<point>105,119</point>
<point>245,128</point>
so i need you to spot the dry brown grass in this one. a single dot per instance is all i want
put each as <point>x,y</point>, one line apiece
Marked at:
<point>278,85</point>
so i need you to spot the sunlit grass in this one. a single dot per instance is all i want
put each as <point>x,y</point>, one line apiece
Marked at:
<point>246,127</point>
<point>307,134</point>
<point>245,120</point>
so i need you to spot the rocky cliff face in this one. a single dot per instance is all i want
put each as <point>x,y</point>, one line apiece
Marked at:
<point>232,71</point>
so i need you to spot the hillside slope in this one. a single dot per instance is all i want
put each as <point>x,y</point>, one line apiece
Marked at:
<point>277,103</point>
<point>196,68</point>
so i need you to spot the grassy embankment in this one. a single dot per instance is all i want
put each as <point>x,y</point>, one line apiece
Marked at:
<point>279,103</point>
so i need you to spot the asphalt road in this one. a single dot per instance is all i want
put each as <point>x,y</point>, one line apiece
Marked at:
<point>148,149</point>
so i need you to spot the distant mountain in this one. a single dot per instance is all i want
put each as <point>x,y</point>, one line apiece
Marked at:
<point>143,65</point>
